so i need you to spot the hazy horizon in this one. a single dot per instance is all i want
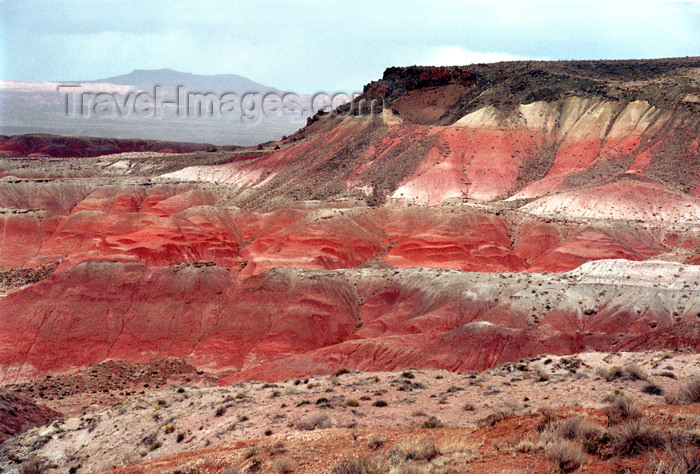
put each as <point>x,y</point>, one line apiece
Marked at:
<point>307,45</point>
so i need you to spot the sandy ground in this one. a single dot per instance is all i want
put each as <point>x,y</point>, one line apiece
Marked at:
<point>183,417</point>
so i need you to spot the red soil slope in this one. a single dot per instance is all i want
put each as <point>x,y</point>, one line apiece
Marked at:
<point>241,261</point>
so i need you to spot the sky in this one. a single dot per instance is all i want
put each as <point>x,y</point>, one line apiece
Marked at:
<point>323,45</point>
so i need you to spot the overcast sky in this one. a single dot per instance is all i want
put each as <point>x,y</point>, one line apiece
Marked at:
<point>317,45</point>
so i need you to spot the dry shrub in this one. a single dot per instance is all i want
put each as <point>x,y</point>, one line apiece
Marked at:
<point>566,455</point>
<point>250,452</point>
<point>591,436</point>
<point>628,372</point>
<point>652,389</point>
<point>679,461</point>
<point>548,417</point>
<point>313,421</point>
<point>359,466</point>
<point>277,448</point>
<point>284,465</point>
<point>34,465</point>
<point>687,394</point>
<point>408,469</point>
<point>622,408</point>
<point>230,470</point>
<point>416,451</point>
<point>528,446</point>
<point>433,422</point>
<point>493,418</point>
<point>376,442</point>
<point>634,372</point>
<point>636,437</point>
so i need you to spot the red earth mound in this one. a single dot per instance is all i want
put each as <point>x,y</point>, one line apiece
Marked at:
<point>18,414</point>
<point>285,323</point>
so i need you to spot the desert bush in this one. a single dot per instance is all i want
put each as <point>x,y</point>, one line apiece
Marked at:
<point>629,372</point>
<point>230,470</point>
<point>432,422</point>
<point>678,461</point>
<point>351,402</point>
<point>634,372</point>
<point>492,419</point>
<point>652,389</point>
<point>416,451</point>
<point>277,448</point>
<point>687,394</point>
<point>359,466</point>
<point>220,411</point>
<point>567,456</point>
<point>250,452</point>
<point>527,446</point>
<point>622,408</point>
<point>376,442</point>
<point>469,407</point>
<point>636,437</point>
<point>284,465</point>
<point>591,436</point>
<point>380,403</point>
<point>34,465</point>
<point>313,421</point>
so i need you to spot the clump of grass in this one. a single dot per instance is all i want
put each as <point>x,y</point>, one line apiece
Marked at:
<point>433,422</point>
<point>359,466</point>
<point>591,436</point>
<point>492,419</point>
<point>567,456</point>
<point>687,394</point>
<point>376,442</point>
<point>678,461</point>
<point>380,403</point>
<point>628,372</point>
<point>622,408</point>
<point>351,402</point>
<point>341,371</point>
<point>313,421</point>
<point>284,465</point>
<point>277,448</point>
<point>221,411</point>
<point>636,437</point>
<point>155,445</point>
<point>634,372</point>
<point>416,451</point>
<point>250,452</point>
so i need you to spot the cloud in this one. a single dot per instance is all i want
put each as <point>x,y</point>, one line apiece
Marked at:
<point>457,56</point>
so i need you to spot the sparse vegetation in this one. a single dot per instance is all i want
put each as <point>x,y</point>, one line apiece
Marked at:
<point>686,394</point>
<point>284,465</point>
<point>652,389</point>
<point>622,408</point>
<point>566,455</point>
<point>359,466</point>
<point>313,421</point>
<point>636,436</point>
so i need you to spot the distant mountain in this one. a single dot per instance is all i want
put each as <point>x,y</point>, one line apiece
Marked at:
<point>203,83</point>
<point>39,107</point>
